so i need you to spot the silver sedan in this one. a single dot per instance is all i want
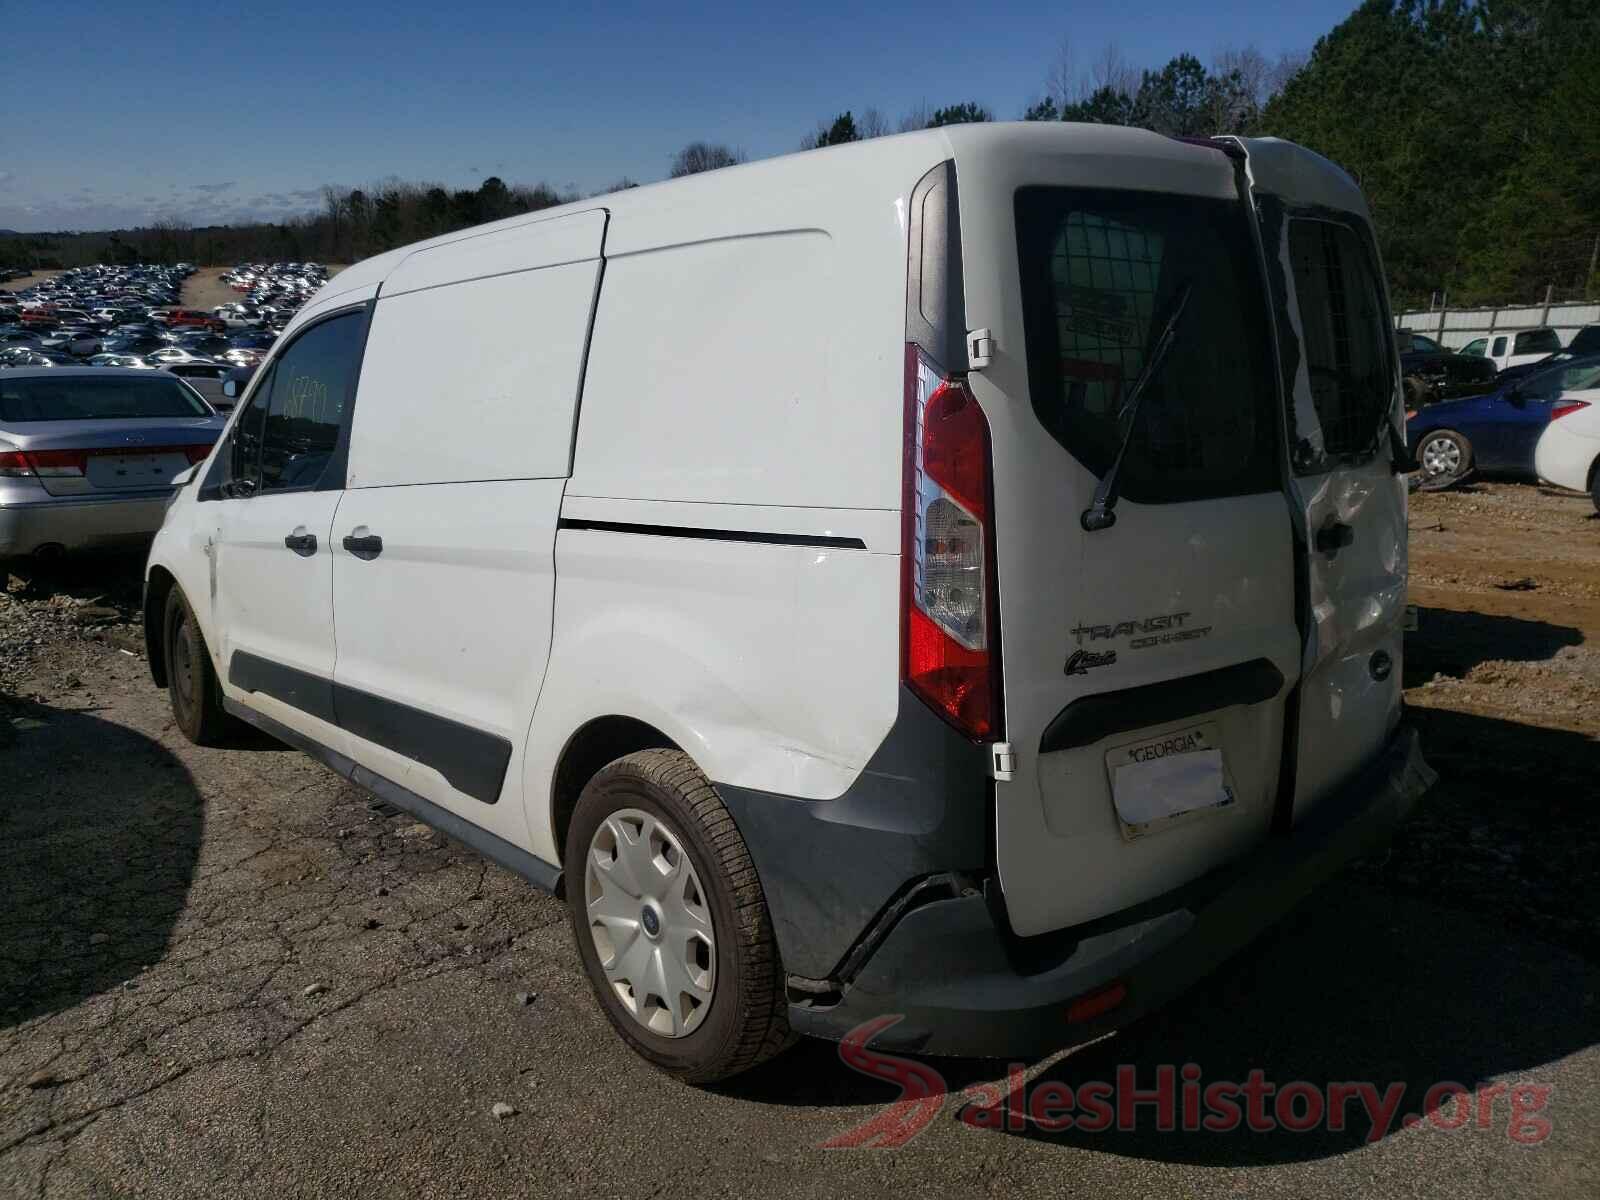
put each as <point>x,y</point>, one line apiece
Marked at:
<point>87,455</point>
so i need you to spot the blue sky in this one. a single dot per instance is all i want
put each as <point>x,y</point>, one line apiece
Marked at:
<point>117,113</point>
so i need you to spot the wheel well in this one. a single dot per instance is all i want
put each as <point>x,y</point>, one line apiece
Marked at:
<point>157,586</point>
<point>601,741</point>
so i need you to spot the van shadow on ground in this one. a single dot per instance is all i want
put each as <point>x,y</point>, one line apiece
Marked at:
<point>1452,643</point>
<point>99,835</point>
<point>1467,955</point>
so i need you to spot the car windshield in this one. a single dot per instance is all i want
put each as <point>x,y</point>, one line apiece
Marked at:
<point>84,398</point>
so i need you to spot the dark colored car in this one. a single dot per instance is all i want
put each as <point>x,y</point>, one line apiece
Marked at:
<point>1433,373</point>
<point>1495,433</point>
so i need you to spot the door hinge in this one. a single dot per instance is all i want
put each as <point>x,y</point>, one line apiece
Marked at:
<point>1002,761</point>
<point>980,349</point>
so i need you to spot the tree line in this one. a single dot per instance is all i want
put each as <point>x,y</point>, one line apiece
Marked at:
<point>1470,125</point>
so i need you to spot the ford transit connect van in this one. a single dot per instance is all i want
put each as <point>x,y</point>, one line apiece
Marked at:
<point>955,578</point>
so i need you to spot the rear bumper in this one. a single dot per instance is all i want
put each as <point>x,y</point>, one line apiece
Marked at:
<point>944,967</point>
<point>74,522</point>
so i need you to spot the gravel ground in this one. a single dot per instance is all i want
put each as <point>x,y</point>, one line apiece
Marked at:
<point>227,972</point>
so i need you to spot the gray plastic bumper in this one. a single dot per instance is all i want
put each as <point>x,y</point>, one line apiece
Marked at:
<point>945,970</point>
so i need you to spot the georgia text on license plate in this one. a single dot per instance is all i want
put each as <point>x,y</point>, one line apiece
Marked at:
<point>1167,779</point>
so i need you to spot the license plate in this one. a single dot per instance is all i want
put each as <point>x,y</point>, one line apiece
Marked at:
<point>133,470</point>
<point>1169,779</point>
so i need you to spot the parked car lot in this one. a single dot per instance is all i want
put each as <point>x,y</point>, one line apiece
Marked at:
<point>136,311</point>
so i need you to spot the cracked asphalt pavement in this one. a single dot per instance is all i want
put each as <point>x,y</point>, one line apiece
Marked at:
<point>226,973</point>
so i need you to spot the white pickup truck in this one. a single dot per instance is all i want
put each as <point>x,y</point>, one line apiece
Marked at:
<point>1514,347</point>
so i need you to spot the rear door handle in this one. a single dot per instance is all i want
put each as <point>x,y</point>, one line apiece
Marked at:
<point>368,545</point>
<point>302,543</point>
<point>1334,537</point>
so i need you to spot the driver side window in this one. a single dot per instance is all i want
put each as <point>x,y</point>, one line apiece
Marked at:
<point>288,436</point>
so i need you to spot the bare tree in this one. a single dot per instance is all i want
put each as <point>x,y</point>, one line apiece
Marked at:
<point>1290,63</point>
<point>872,123</point>
<point>1061,82</point>
<point>1250,67</point>
<point>1109,69</point>
<point>704,156</point>
<point>917,117</point>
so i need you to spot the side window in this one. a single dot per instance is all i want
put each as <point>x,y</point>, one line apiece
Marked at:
<point>1474,348</point>
<point>312,385</point>
<point>244,456</point>
<point>1499,347</point>
<point>1346,340</point>
<point>1537,341</point>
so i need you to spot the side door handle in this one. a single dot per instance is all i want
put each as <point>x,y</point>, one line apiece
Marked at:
<point>1334,537</point>
<point>367,545</point>
<point>302,543</point>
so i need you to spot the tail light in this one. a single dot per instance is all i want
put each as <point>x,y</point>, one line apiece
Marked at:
<point>52,464</point>
<point>12,463</point>
<point>1567,408</point>
<point>74,464</point>
<point>949,635</point>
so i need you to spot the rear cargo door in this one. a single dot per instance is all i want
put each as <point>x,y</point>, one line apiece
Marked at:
<point>1341,377</point>
<point>1146,666</point>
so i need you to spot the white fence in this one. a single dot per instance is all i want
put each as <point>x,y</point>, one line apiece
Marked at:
<point>1455,327</point>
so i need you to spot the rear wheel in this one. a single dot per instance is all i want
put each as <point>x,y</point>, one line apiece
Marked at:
<point>1445,457</point>
<point>1594,484</point>
<point>191,679</point>
<point>670,919</point>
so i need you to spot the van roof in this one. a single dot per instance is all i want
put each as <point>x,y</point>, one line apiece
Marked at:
<point>886,166</point>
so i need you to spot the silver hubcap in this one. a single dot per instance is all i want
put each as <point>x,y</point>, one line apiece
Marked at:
<point>1441,456</point>
<point>650,923</point>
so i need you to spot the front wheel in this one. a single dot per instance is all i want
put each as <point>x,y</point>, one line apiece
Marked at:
<point>1445,457</point>
<point>671,922</point>
<point>1594,484</point>
<point>191,679</point>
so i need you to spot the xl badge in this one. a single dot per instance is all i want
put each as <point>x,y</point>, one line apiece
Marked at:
<point>1079,662</point>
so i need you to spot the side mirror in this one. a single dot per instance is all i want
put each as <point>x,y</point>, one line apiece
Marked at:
<point>230,388</point>
<point>1516,397</point>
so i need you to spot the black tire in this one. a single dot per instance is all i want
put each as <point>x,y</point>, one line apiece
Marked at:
<point>1450,454</point>
<point>747,1018</point>
<point>191,680</point>
<point>1594,485</point>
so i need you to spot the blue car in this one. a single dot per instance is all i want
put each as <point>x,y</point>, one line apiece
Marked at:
<point>1494,433</point>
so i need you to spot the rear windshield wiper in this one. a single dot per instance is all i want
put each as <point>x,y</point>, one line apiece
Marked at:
<point>1101,513</point>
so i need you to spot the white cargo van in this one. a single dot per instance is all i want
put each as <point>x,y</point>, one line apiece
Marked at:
<point>957,575</point>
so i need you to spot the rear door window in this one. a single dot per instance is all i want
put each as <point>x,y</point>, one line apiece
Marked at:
<point>1099,269</point>
<point>1344,334</point>
<point>1499,347</point>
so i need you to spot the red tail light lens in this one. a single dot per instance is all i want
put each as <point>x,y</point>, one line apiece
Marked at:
<point>196,454</point>
<point>948,590</point>
<point>58,463</point>
<point>1567,408</point>
<point>13,463</point>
